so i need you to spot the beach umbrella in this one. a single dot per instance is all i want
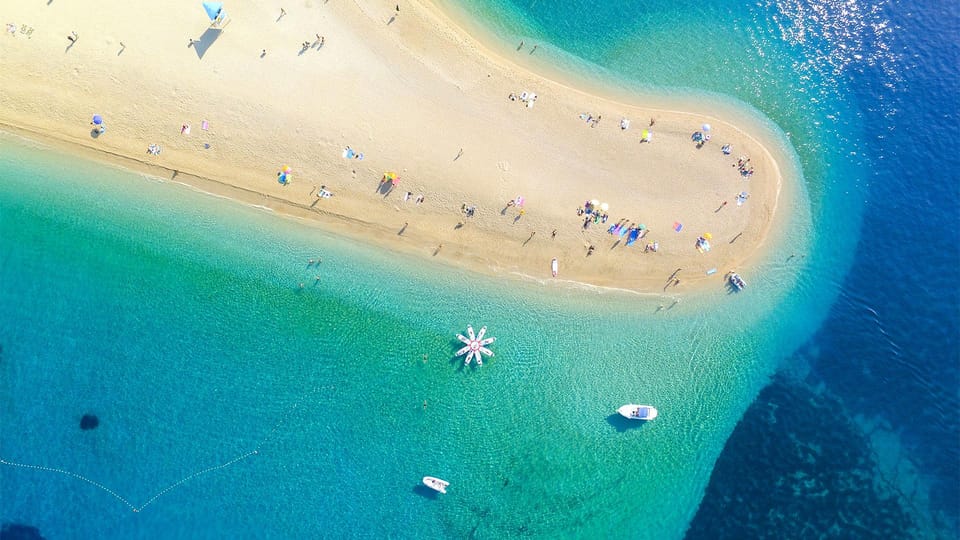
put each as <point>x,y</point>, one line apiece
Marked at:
<point>706,127</point>
<point>641,226</point>
<point>604,207</point>
<point>213,9</point>
<point>594,202</point>
<point>97,119</point>
<point>284,175</point>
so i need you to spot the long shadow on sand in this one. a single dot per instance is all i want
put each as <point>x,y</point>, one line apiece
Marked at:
<point>201,45</point>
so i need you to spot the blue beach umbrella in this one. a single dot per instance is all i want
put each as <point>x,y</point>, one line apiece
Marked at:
<point>213,9</point>
<point>97,119</point>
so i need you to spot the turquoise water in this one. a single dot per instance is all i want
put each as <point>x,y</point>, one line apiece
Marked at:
<point>865,93</point>
<point>177,318</point>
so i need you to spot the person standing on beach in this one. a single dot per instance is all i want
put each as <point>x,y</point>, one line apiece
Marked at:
<point>534,49</point>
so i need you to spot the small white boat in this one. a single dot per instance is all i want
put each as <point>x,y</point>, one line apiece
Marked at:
<point>736,281</point>
<point>436,484</point>
<point>554,267</point>
<point>638,412</point>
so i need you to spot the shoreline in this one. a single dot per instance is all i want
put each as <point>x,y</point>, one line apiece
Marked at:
<point>477,243</point>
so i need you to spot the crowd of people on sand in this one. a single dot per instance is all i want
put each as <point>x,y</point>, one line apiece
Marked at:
<point>624,230</point>
<point>744,166</point>
<point>594,120</point>
<point>593,212</point>
<point>525,97</point>
<point>407,195</point>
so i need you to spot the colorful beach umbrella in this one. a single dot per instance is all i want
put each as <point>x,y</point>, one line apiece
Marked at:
<point>285,174</point>
<point>706,127</point>
<point>213,9</point>
<point>97,119</point>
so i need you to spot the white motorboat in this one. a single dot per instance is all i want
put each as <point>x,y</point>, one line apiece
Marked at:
<point>436,484</point>
<point>736,281</point>
<point>638,412</point>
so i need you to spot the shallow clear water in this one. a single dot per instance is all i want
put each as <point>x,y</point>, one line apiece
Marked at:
<point>866,92</point>
<point>177,318</point>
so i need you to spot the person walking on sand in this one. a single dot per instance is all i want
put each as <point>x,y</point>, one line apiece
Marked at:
<point>73,37</point>
<point>534,49</point>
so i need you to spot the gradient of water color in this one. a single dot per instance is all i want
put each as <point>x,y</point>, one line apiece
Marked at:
<point>176,317</point>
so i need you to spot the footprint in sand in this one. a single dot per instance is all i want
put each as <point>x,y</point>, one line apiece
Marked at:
<point>503,166</point>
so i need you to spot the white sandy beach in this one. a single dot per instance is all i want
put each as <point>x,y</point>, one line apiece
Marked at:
<point>411,94</point>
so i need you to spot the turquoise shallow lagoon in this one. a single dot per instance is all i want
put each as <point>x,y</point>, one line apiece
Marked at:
<point>233,403</point>
<point>177,318</point>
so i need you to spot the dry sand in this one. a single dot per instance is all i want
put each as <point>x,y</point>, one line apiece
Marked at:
<point>409,94</point>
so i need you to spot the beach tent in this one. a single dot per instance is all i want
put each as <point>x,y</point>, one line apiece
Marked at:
<point>97,119</point>
<point>214,10</point>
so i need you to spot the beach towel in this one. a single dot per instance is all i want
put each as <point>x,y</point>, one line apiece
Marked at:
<point>204,125</point>
<point>624,231</point>
<point>677,226</point>
<point>348,153</point>
<point>634,233</point>
<point>612,229</point>
<point>185,129</point>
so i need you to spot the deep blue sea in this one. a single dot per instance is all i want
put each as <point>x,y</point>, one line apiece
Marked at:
<point>233,403</point>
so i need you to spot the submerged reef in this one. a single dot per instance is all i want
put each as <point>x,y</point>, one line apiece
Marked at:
<point>89,421</point>
<point>782,471</point>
